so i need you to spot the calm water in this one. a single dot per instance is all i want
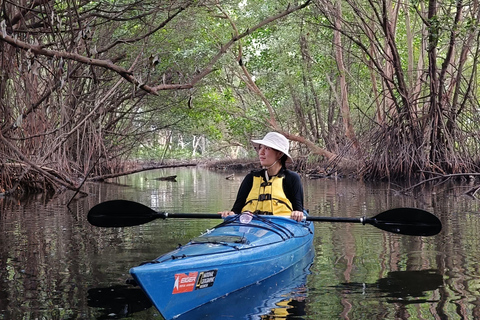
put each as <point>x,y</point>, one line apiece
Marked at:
<point>55,265</point>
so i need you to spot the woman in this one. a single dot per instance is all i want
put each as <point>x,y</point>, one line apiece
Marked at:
<point>274,189</point>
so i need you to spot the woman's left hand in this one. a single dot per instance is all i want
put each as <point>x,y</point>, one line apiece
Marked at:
<point>297,216</point>
<point>226,213</point>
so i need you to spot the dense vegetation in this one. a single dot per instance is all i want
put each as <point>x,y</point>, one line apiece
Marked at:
<point>388,88</point>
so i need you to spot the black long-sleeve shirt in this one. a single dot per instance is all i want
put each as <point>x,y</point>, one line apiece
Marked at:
<point>292,186</point>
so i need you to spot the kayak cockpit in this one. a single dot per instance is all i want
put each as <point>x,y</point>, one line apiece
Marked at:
<point>235,235</point>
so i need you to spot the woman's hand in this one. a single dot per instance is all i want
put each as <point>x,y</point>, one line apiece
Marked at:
<point>226,213</point>
<point>297,216</point>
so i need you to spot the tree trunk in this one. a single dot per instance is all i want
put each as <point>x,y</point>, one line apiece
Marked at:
<point>343,99</point>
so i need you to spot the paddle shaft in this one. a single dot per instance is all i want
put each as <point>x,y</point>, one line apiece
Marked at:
<point>362,220</point>
<point>165,215</point>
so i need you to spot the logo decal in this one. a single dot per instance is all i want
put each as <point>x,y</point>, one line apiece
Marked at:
<point>184,282</point>
<point>193,281</point>
<point>206,279</point>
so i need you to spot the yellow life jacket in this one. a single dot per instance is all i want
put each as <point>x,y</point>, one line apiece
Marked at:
<point>268,197</point>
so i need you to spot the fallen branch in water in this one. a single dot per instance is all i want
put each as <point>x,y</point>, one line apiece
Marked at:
<point>471,192</point>
<point>168,178</point>
<point>126,173</point>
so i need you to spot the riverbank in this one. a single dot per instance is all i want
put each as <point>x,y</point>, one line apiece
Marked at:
<point>17,183</point>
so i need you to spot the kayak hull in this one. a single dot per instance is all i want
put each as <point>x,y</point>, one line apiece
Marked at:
<point>230,257</point>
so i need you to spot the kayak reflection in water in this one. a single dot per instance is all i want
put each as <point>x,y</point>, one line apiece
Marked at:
<point>274,189</point>
<point>293,308</point>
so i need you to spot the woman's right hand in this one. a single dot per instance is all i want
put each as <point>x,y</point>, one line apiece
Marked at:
<point>226,213</point>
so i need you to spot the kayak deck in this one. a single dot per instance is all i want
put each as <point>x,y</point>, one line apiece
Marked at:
<point>235,254</point>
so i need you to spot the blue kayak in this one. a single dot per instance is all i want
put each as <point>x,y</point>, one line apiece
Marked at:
<point>242,251</point>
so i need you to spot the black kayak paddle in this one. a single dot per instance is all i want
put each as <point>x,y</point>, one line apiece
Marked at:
<point>124,213</point>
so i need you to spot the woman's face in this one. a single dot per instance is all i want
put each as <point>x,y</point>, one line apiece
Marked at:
<point>268,155</point>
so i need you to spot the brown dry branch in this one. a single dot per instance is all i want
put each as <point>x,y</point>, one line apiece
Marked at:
<point>428,102</point>
<point>128,74</point>
<point>472,192</point>
<point>52,175</point>
<point>72,102</point>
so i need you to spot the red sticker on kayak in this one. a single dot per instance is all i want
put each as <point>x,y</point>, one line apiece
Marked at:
<point>184,282</point>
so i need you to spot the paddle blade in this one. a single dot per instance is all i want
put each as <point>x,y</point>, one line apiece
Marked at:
<point>121,213</point>
<point>408,221</point>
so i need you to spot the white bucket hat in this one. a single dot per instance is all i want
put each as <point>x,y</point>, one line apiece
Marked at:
<point>275,141</point>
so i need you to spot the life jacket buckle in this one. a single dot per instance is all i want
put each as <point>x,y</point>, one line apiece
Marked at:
<point>264,197</point>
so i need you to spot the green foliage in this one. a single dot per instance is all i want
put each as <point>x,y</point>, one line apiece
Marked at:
<point>151,78</point>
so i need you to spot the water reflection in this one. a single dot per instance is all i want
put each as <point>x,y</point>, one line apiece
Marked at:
<point>51,257</point>
<point>399,286</point>
<point>403,287</point>
<point>117,302</point>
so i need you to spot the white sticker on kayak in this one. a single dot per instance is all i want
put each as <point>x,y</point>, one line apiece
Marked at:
<point>193,281</point>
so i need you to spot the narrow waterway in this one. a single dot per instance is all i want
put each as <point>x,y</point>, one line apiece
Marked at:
<point>55,265</point>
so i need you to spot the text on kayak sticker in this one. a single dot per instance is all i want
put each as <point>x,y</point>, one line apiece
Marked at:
<point>193,281</point>
<point>206,279</point>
